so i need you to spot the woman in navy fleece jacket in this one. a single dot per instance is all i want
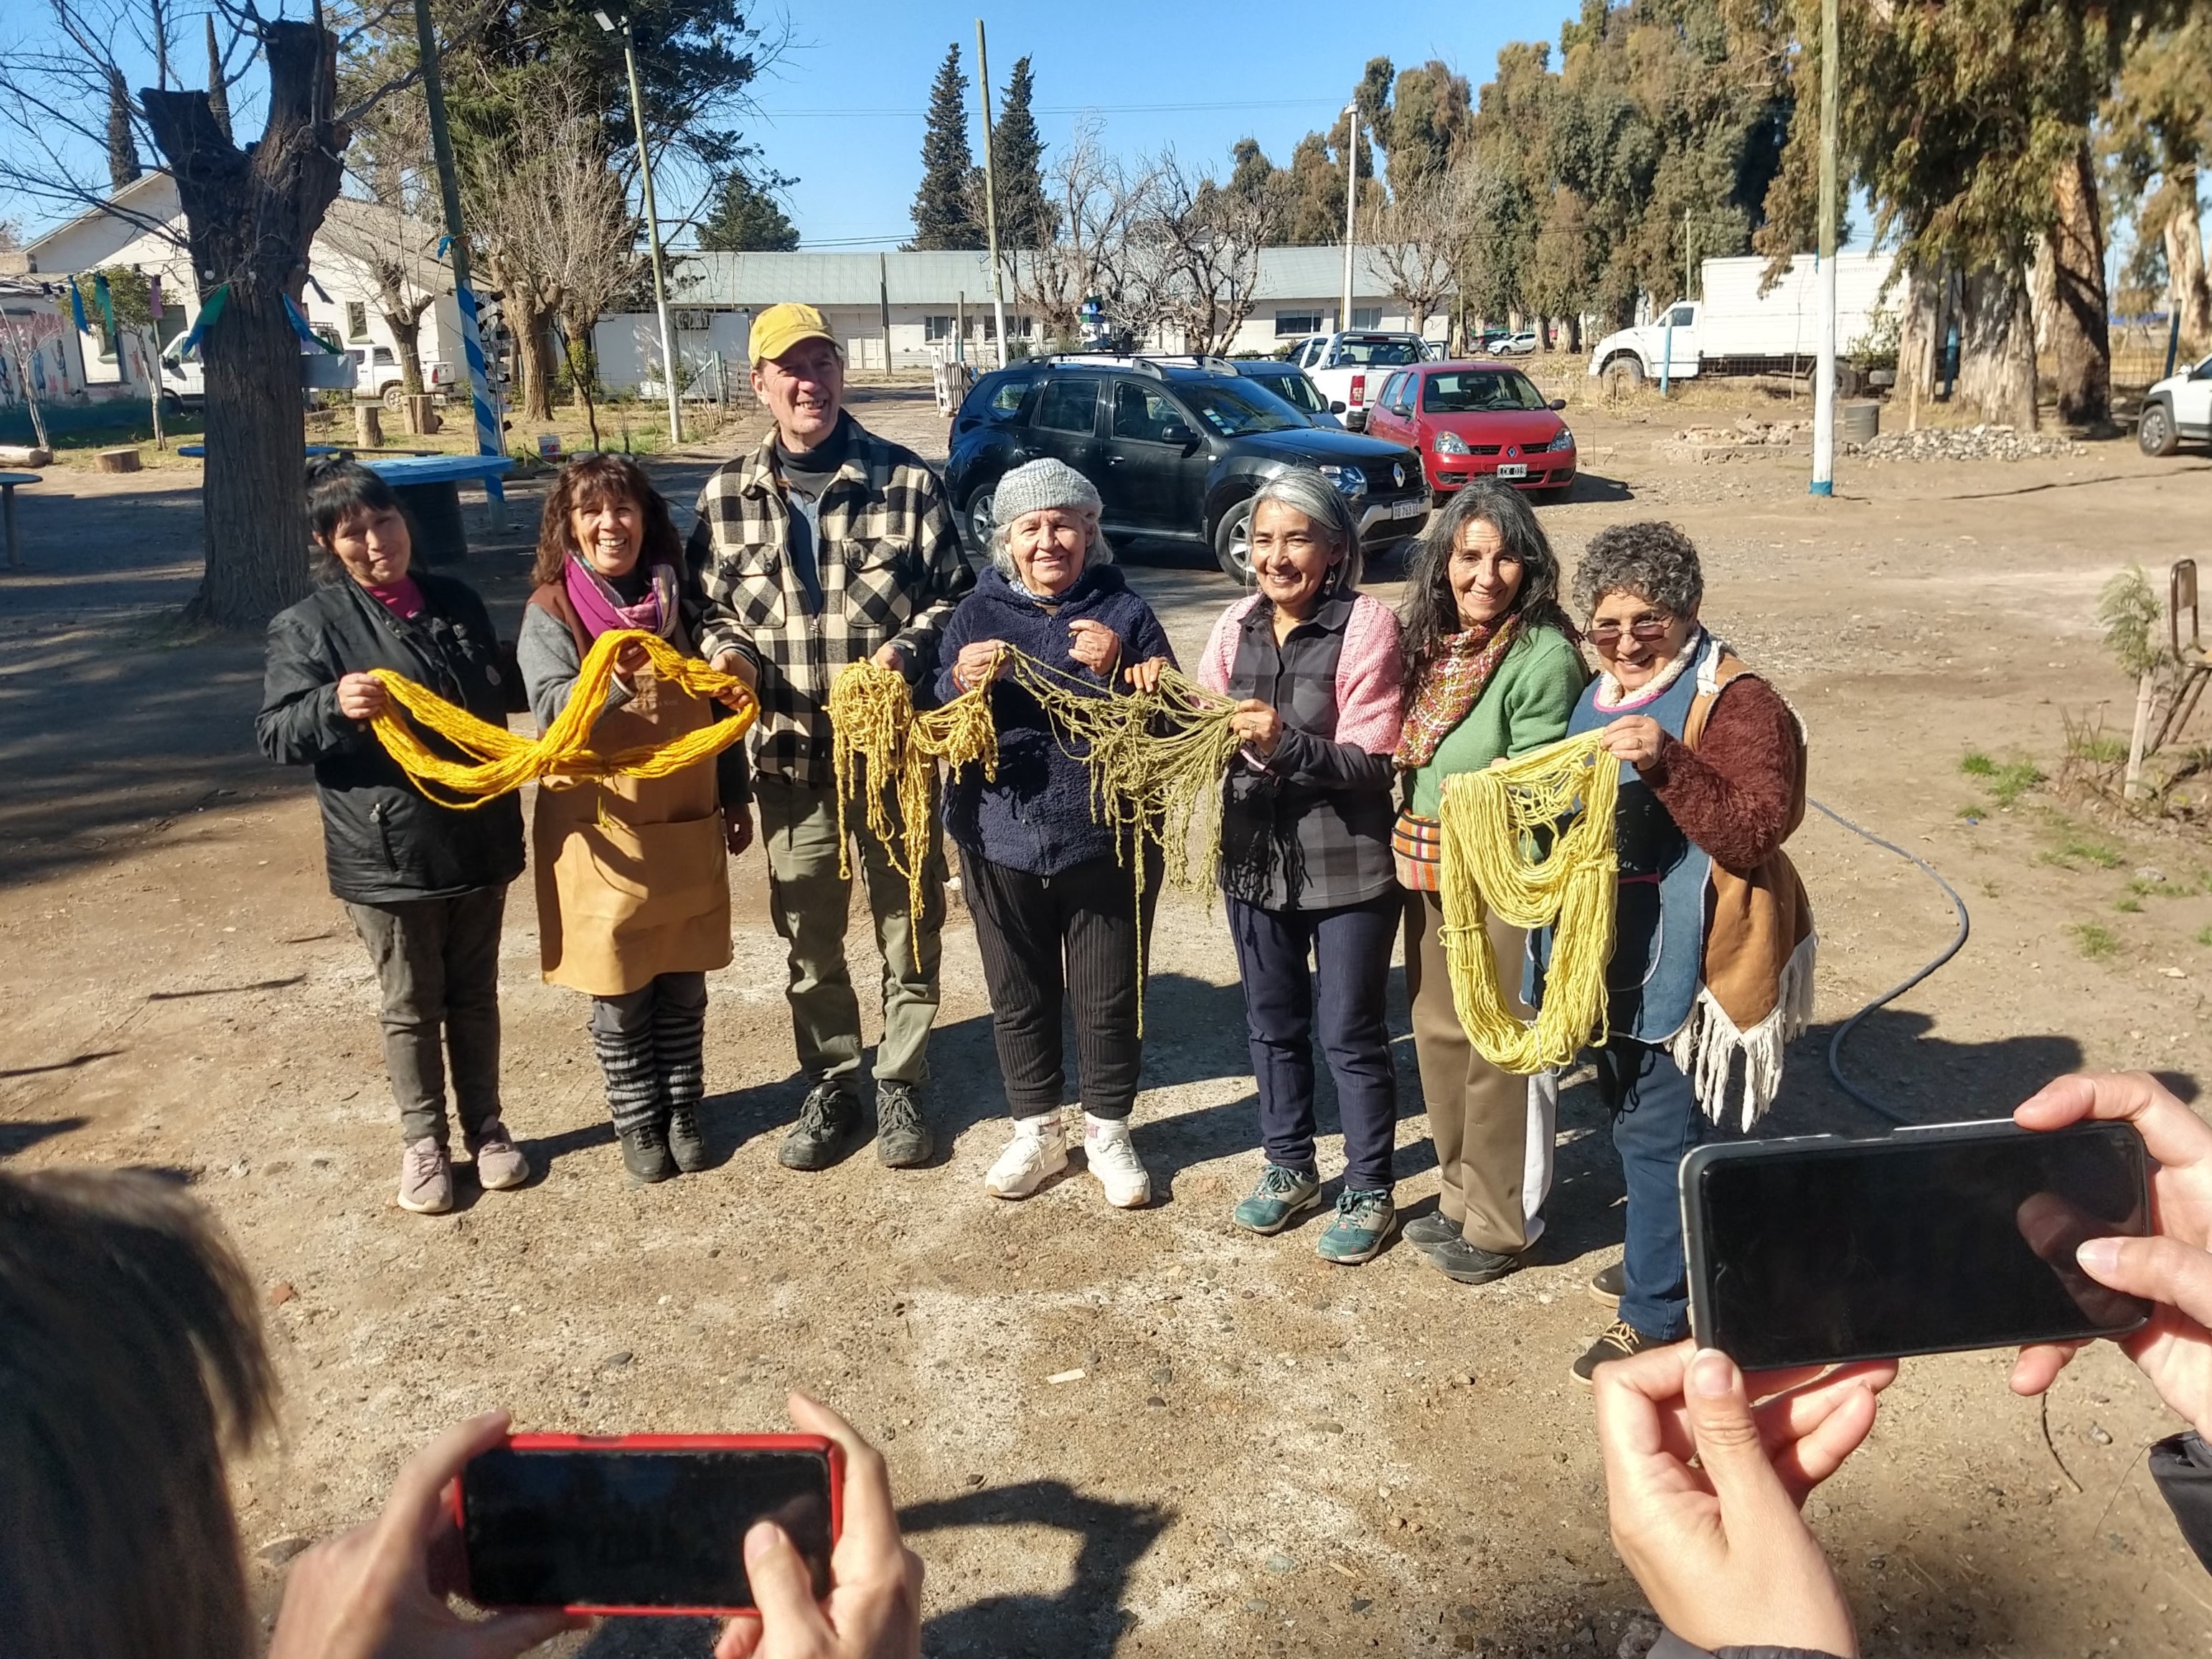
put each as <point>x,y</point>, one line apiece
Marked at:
<point>1056,915</point>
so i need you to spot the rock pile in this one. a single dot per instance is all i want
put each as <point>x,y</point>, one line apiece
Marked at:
<point>1964,443</point>
<point>1748,436</point>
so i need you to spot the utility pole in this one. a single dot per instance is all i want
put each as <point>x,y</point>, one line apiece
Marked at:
<point>1351,207</point>
<point>1824,383</point>
<point>490,441</point>
<point>990,198</point>
<point>672,371</point>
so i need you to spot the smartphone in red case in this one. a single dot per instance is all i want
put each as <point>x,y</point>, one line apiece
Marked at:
<point>641,1523</point>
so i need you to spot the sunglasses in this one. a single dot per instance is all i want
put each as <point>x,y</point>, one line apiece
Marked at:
<point>1644,630</point>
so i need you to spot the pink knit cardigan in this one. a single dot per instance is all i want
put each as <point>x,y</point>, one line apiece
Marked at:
<point>1370,671</point>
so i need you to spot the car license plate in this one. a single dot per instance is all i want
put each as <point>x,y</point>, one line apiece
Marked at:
<point>1412,508</point>
<point>1513,469</point>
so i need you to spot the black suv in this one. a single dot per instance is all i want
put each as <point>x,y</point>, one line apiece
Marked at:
<point>1178,452</point>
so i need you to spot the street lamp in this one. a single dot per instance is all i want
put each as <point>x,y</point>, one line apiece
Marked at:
<point>1351,207</point>
<point>670,369</point>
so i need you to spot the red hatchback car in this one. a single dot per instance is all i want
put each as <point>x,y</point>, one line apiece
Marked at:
<point>1476,420</point>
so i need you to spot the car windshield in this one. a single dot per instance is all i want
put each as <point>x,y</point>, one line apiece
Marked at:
<point>1375,350</point>
<point>1235,410</point>
<point>1294,389</point>
<point>1479,392</point>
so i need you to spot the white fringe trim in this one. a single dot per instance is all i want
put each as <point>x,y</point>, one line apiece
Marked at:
<point>1709,1041</point>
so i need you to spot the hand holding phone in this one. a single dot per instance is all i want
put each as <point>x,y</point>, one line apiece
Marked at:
<point>1703,1490</point>
<point>379,1591</point>
<point>2172,1268</point>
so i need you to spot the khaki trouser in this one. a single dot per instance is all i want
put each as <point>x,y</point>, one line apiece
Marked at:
<point>811,904</point>
<point>1479,1116</point>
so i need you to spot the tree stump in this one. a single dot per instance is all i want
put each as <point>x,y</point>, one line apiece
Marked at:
<point>117,460</point>
<point>367,427</point>
<point>422,414</point>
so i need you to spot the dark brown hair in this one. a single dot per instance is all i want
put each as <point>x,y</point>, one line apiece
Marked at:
<point>1429,613</point>
<point>130,1362</point>
<point>588,483</point>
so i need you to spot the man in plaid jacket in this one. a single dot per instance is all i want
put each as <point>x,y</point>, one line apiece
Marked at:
<point>823,547</point>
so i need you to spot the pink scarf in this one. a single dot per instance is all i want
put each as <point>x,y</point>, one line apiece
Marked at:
<point>601,609</point>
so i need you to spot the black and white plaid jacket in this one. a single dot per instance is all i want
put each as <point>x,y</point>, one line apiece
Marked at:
<point>891,572</point>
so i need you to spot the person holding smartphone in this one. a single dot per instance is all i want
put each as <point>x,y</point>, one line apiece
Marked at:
<point>1713,945</point>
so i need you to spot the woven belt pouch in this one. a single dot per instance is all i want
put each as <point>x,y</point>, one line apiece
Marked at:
<point>1417,851</point>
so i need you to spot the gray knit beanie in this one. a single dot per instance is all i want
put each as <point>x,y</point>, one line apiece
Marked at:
<point>1037,485</point>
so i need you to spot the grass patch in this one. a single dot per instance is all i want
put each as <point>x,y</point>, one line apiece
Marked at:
<point>2095,941</point>
<point>2102,747</point>
<point>2089,852</point>
<point>2006,781</point>
<point>2132,907</point>
<point>2204,937</point>
<point>2143,889</point>
<point>1976,764</point>
<point>1972,809</point>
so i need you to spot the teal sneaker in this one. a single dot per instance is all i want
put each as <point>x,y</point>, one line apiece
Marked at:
<point>1362,1223</point>
<point>1280,1198</point>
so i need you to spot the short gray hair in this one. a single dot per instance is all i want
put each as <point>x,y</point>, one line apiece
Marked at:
<point>1304,490</point>
<point>1653,561</point>
<point>1099,551</point>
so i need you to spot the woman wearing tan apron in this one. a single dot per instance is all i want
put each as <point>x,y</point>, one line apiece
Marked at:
<point>632,873</point>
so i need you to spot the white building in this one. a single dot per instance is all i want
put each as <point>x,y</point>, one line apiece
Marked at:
<point>933,299</point>
<point>141,228</point>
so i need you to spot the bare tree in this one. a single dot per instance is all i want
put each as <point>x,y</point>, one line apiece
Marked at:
<point>556,209</point>
<point>1097,198</point>
<point>1418,239</point>
<point>250,213</point>
<point>1197,255</point>
<point>387,224</point>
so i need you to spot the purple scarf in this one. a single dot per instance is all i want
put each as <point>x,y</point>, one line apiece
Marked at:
<point>601,609</point>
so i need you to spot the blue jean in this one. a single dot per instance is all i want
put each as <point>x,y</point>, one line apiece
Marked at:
<point>1655,1122</point>
<point>1276,952</point>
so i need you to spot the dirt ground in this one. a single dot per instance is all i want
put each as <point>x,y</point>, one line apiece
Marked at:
<point>1261,1455</point>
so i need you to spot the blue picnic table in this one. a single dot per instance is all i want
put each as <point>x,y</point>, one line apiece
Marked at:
<point>430,489</point>
<point>199,450</point>
<point>8,483</point>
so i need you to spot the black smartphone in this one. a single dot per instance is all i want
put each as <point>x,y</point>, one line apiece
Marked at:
<point>641,1523</point>
<point>1821,1249</point>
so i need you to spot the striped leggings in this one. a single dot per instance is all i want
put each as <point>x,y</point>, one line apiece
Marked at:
<point>650,1043</point>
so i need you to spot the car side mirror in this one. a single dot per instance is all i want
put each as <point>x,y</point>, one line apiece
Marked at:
<point>1175,432</point>
<point>1336,406</point>
<point>1556,402</point>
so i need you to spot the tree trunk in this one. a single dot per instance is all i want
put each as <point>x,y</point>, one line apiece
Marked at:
<point>406,326</point>
<point>1575,333</point>
<point>2083,343</point>
<point>1919,335</point>
<point>1997,346</point>
<point>2184,262</point>
<point>534,364</point>
<point>249,217</point>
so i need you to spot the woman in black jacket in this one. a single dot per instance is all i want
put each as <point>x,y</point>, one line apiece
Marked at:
<point>426,884</point>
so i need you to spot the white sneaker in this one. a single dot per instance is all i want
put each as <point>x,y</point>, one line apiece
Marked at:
<point>1037,1153</point>
<point>1113,1159</point>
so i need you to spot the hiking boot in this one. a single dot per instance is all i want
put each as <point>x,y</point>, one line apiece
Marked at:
<point>1109,1156</point>
<point>645,1155</point>
<point>1469,1264</point>
<point>1621,1340</point>
<point>1281,1196</point>
<point>1037,1153</point>
<point>827,1120</point>
<point>1426,1231</point>
<point>501,1166</point>
<point>902,1137</point>
<point>1358,1230</point>
<point>426,1178</point>
<point>686,1143</point>
<point>1607,1282</point>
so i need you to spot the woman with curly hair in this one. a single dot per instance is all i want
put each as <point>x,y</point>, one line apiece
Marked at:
<point>633,879</point>
<point>1491,672</point>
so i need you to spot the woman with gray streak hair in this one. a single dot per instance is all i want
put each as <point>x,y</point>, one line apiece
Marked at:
<point>1305,854</point>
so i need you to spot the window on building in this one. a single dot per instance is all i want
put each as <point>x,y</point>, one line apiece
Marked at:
<point>934,329</point>
<point>1021,327</point>
<point>1070,404</point>
<point>1367,316</point>
<point>1290,324</point>
<point>356,320</point>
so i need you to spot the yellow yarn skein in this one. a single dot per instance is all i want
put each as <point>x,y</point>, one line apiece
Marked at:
<point>505,760</point>
<point>1491,824</point>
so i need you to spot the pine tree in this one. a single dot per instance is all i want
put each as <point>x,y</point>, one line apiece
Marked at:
<point>746,219</point>
<point>1026,218</point>
<point>121,145</point>
<point>944,214</point>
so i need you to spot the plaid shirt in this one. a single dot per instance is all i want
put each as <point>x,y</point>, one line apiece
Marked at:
<point>891,572</point>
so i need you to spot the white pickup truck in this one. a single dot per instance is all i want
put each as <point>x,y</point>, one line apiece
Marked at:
<point>2178,407</point>
<point>1349,367</point>
<point>1735,329</point>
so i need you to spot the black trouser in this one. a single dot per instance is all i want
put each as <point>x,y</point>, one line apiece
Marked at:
<point>437,962</point>
<point>1072,935</point>
<point>650,1043</point>
<point>1282,954</point>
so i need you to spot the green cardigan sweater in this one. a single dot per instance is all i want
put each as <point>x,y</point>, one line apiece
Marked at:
<point>1525,707</point>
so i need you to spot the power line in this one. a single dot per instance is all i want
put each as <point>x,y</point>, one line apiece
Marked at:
<point>1055,109</point>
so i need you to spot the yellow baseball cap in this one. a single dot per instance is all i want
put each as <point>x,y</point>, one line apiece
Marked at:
<point>779,328</point>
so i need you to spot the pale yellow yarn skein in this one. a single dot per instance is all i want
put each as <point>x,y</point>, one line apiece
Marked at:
<point>1489,821</point>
